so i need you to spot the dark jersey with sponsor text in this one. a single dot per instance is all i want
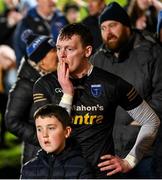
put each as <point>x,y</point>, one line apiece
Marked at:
<point>94,104</point>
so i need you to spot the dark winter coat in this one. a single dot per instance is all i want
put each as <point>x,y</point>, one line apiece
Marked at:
<point>69,164</point>
<point>140,63</point>
<point>19,112</point>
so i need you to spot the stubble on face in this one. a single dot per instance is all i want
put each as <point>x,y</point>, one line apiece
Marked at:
<point>114,42</point>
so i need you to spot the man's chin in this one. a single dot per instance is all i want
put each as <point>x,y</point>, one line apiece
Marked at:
<point>113,49</point>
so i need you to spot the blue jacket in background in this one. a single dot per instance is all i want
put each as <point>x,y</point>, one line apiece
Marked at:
<point>38,25</point>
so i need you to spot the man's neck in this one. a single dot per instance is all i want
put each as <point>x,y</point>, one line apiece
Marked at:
<point>86,71</point>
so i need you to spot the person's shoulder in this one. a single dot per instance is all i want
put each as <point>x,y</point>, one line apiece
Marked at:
<point>30,15</point>
<point>76,160</point>
<point>49,77</point>
<point>31,163</point>
<point>102,74</point>
<point>148,43</point>
<point>59,14</point>
<point>144,38</point>
<point>107,79</point>
<point>31,12</point>
<point>72,153</point>
<point>87,20</point>
<point>101,51</point>
<point>35,162</point>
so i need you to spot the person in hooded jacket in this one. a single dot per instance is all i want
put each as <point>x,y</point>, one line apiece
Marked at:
<point>58,159</point>
<point>19,121</point>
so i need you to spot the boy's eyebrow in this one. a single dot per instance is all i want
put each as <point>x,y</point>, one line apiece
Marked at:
<point>47,125</point>
<point>51,124</point>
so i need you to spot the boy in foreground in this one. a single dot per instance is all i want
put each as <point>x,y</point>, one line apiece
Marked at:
<point>57,159</point>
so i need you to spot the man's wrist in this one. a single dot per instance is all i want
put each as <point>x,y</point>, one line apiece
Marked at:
<point>67,99</point>
<point>131,160</point>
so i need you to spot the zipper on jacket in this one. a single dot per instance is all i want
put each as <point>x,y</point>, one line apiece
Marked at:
<point>51,165</point>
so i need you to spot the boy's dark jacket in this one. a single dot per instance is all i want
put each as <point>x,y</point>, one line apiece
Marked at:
<point>69,164</point>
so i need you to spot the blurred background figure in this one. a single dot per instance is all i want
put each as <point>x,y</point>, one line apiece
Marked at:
<point>71,11</point>
<point>95,7</point>
<point>44,19</point>
<point>25,5</point>
<point>159,27</point>
<point>143,14</point>
<point>7,62</point>
<point>8,22</point>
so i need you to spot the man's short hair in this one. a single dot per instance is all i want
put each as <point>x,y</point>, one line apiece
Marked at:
<point>77,29</point>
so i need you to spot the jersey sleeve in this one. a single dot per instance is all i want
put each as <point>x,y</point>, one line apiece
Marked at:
<point>41,94</point>
<point>149,123</point>
<point>128,97</point>
<point>141,112</point>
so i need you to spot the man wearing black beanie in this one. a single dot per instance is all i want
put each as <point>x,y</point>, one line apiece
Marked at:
<point>114,12</point>
<point>136,58</point>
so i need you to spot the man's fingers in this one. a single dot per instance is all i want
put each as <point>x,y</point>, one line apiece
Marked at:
<point>107,156</point>
<point>113,172</point>
<point>105,163</point>
<point>110,163</point>
<point>109,167</point>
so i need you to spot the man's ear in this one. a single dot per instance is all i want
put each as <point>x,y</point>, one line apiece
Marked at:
<point>68,131</point>
<point>88,51</point>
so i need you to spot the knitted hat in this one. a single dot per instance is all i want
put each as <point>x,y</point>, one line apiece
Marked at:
<point>114,12</point>
<point>159,23</point>
<point>37,46</point>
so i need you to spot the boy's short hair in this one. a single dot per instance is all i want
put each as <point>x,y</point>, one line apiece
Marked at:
<point>50,110</point>
<point>77,29</point>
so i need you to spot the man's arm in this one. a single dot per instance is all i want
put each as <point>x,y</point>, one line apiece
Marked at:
<point>140,111</point>
<point>149,122</point>
<point>67,86</point>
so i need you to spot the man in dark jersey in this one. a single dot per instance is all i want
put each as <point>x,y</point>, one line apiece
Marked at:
<point>92,95</point>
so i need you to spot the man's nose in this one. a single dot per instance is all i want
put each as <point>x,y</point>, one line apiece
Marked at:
<point>63,54</point>
<point>108,30</point>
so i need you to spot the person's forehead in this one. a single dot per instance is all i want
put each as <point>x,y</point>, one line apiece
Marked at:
<point>47,120</point>
<point>108,22</point>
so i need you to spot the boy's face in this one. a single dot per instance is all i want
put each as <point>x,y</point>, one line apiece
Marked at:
<point>51,134</point>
